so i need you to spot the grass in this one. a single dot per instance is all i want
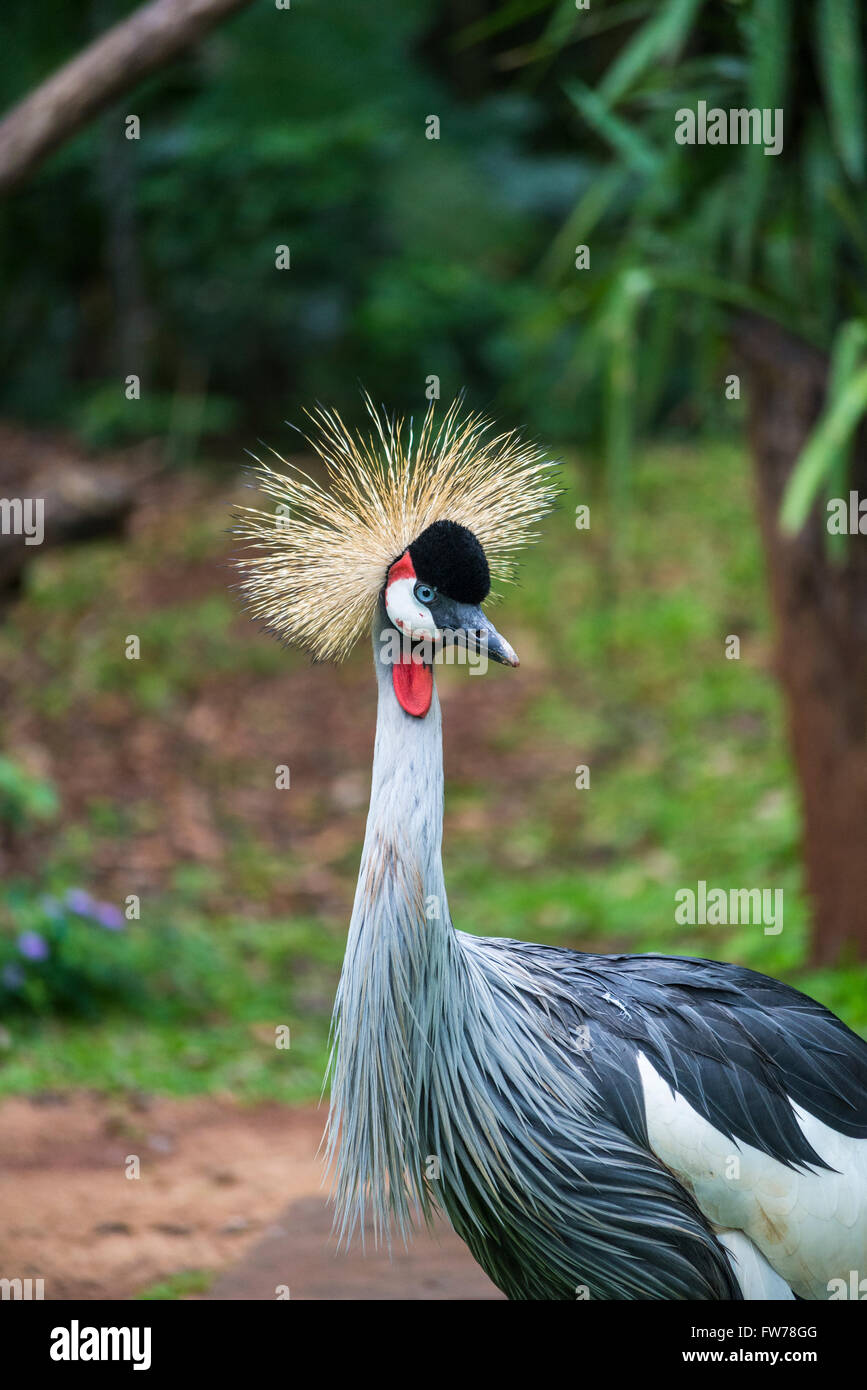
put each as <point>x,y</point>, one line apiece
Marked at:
<point>219,995</point>
<point>180,1285</point>
<point>690,779</point>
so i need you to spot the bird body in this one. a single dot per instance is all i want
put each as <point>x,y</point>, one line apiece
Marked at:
<point>599,1126</point>
<point>606,1127</point>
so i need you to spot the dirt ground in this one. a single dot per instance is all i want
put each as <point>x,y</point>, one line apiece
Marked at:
<point>231,1190</point>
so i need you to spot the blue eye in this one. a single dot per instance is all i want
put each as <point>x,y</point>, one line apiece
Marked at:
<point>424,593</point>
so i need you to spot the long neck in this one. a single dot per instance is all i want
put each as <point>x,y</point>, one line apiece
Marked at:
<point>400,970</point>
<point>427,1105</point>
<point>403,842</point>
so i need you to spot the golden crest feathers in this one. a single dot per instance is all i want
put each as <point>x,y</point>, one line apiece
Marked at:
<point>316,564</point>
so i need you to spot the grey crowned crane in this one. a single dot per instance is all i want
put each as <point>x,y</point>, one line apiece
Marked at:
<point>612,1127</point>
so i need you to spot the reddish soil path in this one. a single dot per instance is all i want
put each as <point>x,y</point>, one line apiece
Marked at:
<point>215,1181</point>
<point>298,1253</point>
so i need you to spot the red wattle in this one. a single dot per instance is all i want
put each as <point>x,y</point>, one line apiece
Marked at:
<point>413,686</point>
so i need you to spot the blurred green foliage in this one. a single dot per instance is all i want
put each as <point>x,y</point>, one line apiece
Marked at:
<point>303,128</point>
<point>455,257</point>
<point>103,417</point>
<point>180,1285</point>
<point>686,239</point>
<point>57,960</point>
<point>24,799</point>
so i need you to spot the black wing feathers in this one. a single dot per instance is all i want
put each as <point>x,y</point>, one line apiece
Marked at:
<point>738,1045</point>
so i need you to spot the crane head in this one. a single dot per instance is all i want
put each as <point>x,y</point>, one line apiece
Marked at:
<point>425,518</point>
<point>433,595</point>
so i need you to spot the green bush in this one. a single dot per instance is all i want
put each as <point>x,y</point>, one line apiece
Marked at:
<point>66,955</point>
<point>24,799</point>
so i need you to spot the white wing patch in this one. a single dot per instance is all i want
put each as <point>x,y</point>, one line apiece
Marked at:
<point>758,1281</point>
<point>811,1227</point>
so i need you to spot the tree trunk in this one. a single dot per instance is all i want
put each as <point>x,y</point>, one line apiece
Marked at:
<point>116,181</point>
<point>140,44</point>
<point>821,614</point>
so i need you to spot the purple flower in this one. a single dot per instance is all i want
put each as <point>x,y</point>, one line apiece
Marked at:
<point>12,976</point>
<point>32,946</point>
<point>108,916</point>
<point>80,902</point>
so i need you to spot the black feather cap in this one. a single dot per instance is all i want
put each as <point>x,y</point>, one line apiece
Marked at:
<point>450,558</point>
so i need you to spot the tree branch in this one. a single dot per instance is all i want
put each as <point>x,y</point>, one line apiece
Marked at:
<point>132,49</point>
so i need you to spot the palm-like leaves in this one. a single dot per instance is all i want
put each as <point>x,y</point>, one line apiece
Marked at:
<point>671,226</point>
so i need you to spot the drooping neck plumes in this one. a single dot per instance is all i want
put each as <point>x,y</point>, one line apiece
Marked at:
<point>400,974</point>
<point>444,1086</point>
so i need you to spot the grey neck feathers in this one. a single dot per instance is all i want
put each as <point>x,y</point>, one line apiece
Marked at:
<point>402,971</point>
<point>447,1084</point>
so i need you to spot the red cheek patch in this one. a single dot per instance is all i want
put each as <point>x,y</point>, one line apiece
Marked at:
<point>412,680</point>
<point>413,686</point>
<point>401,569</point>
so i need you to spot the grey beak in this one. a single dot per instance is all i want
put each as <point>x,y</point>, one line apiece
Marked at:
<point>480,632</point>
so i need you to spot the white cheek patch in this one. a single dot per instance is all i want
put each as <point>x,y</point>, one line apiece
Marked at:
<point>405,611</point>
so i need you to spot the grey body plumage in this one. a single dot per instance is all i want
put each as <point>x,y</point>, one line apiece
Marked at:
<point>498,1081</point>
